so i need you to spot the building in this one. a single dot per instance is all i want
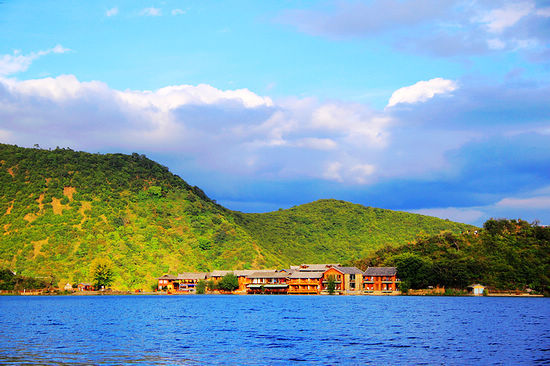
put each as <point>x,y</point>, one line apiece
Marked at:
<point>304,283</point>
<point>166,282</point>
<point>476,289</point>
<point>267,282</point>
<point>85,287</point>
<point>347,280</point>
<point>380,280</point>
<point>187,282</point>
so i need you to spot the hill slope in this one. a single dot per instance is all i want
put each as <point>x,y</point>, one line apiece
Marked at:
<point>505,255</point>
<point>331,230</point>
<point>61,209</point>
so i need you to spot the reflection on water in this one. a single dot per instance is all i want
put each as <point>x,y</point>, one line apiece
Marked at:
<point>190,330</point>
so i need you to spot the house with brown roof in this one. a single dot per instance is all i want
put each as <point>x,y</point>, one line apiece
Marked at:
<point>267,282</point>
<point>348,280</point>
<point>304,282</point>
<point>380,280</point>
<point>187,281</point>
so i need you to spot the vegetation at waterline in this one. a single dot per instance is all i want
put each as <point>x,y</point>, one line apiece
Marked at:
<point>62,209</point>
<point>10,281</point>
<point>102,273</point>
<point>505,255</point>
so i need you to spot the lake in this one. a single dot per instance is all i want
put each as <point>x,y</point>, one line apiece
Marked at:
<point>273,330</point>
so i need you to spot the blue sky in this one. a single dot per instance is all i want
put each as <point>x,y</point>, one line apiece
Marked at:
<point>441,108</point>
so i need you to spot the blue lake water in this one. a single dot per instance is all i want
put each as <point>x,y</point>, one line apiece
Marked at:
<point>273,330</point>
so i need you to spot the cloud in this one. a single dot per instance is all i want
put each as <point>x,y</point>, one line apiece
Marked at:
<point>17,62</point>
<point>151,12</point>
<point>232,131</point>
<point>422,91</point>
<point>497,20</point>
<point>531,202</point>
<point>356,19</point>
<point>111,12</point>
<point>445,29</point>
<point>177,12</point>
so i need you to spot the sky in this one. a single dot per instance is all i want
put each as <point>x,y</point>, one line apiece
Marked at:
<point>427,106</point>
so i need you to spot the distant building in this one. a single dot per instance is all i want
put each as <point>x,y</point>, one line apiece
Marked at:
<point>85,287</point>
<point>380,279</point>
<point>187,282</point>
<point>304,282</point>
<point>68,287</point>
<point>166,282</point>
<point>476,289</point>
<point>263,282</point>
<point>348,280</point>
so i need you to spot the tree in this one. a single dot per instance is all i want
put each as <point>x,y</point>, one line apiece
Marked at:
<point>229,282</point>
<point>331,284</point>
<point>211,285</point>
<point>201,287</point>
<point>102,273</point>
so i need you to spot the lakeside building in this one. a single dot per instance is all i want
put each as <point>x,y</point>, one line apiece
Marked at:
<point>305,279</point>
<point>380,279</point>
<point>305,282</point>
<point>476,289</point>
<point>348,280</point>
<point>272,282</point>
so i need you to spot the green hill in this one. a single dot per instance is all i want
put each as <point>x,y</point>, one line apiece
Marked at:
<point>504,255</point>
<point>61,209</point>
<point>330,230</point>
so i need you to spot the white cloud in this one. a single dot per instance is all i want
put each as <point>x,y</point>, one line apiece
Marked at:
<point>332,171</point>
<point>362,172</point>
<point>422,91</point>
<point>111,12</point>
<point>525,203</point>
<point>177,12</point>
<point>151,12</point>
<point>498,20</point>
<point>234,131</point>
<point>17,62</point>
<point>360,125</point>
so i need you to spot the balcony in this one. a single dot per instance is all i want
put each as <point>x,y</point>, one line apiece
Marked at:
<point>368,281</point>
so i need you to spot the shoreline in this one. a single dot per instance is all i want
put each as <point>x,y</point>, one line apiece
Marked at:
<point>160,293</point>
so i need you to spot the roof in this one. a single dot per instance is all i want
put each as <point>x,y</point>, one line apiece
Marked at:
<point>247,272</point>
<point>475,285</point>
<point>238,273</point>
<point>167,277</point>
<point>192,276</point>
<point>265,274</point>
<point>298,274</point>
<point>219,273</point>
<point>349,270</point>
<point>314,267</point>
<point>381,271</point>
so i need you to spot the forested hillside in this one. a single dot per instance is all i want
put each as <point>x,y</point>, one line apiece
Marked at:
<point>505,255</point>
<point>331,230</point>
<point>61,209</point>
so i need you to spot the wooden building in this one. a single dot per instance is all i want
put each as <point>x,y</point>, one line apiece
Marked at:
<point>380,280</point>
<point>264,282</point>
<point>348,280</point>
<point>187,282</point>
<point>304,283</point>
